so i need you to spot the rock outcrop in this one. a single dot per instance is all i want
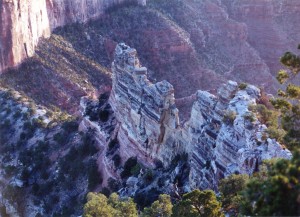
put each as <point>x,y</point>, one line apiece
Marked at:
<point>225,137</point>
<point>23,22</point>
<point>222,136</point>
<point>146,112</point>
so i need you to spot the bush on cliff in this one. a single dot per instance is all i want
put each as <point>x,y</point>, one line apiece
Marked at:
<point>128,166</point>
<point>229,117</point>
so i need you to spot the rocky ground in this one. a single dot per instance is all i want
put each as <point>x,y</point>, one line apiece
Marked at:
<point>47,165</point>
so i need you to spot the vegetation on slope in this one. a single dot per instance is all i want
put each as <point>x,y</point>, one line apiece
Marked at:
<point>76,60</point>
<point>43,159</point>
<point>57,75</point>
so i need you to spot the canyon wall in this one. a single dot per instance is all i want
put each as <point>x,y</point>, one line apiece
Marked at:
<point>273,26</point>
<point>23,22</point>
<point>222,136</point>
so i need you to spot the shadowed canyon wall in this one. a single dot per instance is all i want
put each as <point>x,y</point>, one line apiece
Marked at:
<point>23,22</point>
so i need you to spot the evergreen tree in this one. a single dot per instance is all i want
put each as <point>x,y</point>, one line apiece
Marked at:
<point>197,204</point>
<point>274,194</point>
<point>289,102</point>
<point>230,189</point>
<point>160,208</point>
<point>99,206</point>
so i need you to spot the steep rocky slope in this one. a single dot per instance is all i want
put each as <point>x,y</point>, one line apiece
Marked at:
<point>24,22</point>
<point>53,162</point>
<point>272,26</point>
<point>58,75</point>
<point>191,44</point>
<point>46,166</point>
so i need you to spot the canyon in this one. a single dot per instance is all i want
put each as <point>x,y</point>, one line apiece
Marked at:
<point>191,44</point>
<point>222,137</point>
<point>76,97</point>
<point>23,23</point>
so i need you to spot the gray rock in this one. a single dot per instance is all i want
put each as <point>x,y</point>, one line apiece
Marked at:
<point>150,129</point>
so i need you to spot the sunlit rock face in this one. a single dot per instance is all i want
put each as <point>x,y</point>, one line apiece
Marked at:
<point>226,138</point>
<point>222,136</point>
<point>147,113</point>
<point>23,22</point>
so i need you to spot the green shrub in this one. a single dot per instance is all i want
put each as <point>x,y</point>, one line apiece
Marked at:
<point>39,122</point>
<point>59,138</point>
<point>26,116</point>
<point>23,136</point>
<point>242,86</point>
<point>112,144</point>
<point>94,176</point>
<point>17,114</point>
<point>113,184</point>
<point>129,164</point>
<point>148,176</point>
<point>276,133</point>
<point>135,171</point>
<point>249,117</point>
<point>104,115</point>
<point>106,191</point>
<point>70,126</point>
<point>8,111</point>
<point>229,117</point>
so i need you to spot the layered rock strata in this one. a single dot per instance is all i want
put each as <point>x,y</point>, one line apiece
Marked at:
<point>23,22</point>
<point>147,113</point>
<point>225,137</point>
<point>222,136</point>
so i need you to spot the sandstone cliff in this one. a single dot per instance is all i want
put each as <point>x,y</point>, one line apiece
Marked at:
<point>23,22</point>
<point>148,112</point>
<point>222,136</point>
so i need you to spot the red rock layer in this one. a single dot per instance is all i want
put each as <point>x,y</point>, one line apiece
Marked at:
<point>23,22</point>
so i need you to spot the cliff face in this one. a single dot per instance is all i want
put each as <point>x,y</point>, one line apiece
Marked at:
<point>21,25</point>
<point>23,22</point>
<point>222,136</point>
<point>272,26</point>
<point>149,117</point>
<point>225,137</point>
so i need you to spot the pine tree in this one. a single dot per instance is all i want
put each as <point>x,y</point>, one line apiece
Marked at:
<point>288,102</point>
<point>197,204</point>
<point>160,208</point>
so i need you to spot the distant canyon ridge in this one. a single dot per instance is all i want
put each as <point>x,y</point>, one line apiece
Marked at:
<point>205,42</point>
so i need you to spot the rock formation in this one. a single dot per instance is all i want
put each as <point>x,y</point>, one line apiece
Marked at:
<point>23,22</point>
<point>222,136</point>
<point>225,137</point>
<point>148,112</point>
